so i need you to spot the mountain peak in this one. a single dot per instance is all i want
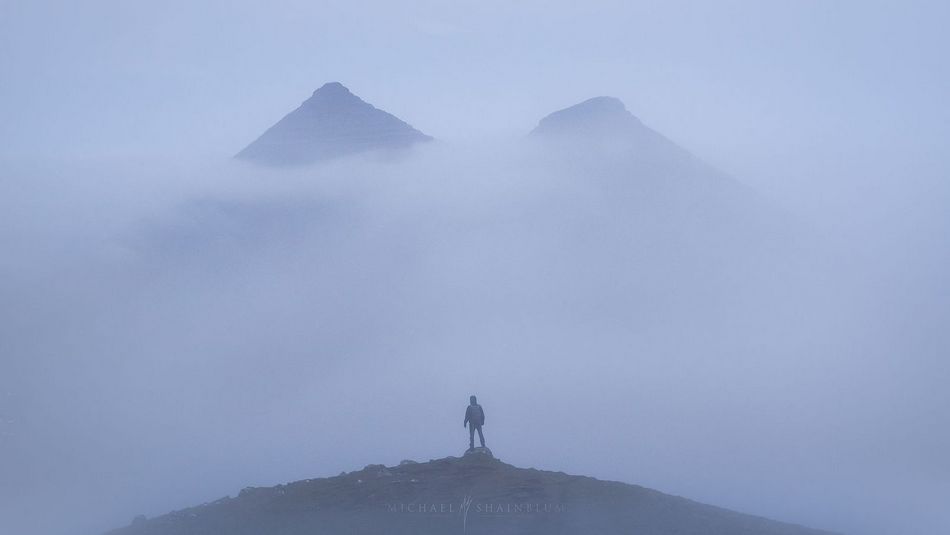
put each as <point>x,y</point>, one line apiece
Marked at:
<point>333,122</point>
<point>601,132</point>
<point>594,115</point>
<point>333,89</point>
<point>332,86</point>
<point>604,105</point>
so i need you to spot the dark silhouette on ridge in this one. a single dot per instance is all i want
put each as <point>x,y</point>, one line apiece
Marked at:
<point>475,419</point>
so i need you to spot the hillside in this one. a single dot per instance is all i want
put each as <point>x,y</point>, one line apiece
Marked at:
<point>475,494</point>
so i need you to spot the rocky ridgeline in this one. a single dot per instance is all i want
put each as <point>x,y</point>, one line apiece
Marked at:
<point>475,493</point>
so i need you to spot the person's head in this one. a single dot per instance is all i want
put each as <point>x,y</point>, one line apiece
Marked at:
<point>472,400</point>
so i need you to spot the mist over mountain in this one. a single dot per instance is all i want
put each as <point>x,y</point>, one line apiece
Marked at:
<point>333,122</point>
<point>640,171</point>
<point>628,227</point>
<point>603,126</point>
<point>290,279</point>
<point>724,277</point>
<point>599,287</point>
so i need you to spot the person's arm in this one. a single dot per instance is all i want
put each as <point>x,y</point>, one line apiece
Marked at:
<point>483,414</point>
<point>468,414</point>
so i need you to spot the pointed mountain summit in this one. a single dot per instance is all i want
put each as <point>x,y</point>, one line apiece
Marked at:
<point>601,142</point>
<point>603,125</point>
<point>597,115</point>
<point>475,495</point>
<point>333,122</point>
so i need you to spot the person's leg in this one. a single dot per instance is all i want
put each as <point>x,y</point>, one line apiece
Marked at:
<point>471,436</point>
<point>481,437</point>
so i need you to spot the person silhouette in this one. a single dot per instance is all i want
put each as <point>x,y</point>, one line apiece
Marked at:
<point>474,419</point>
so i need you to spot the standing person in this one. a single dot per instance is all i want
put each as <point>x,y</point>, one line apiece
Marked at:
<point>474,419</point>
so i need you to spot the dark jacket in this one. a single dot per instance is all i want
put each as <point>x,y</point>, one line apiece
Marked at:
<point>475,415</point>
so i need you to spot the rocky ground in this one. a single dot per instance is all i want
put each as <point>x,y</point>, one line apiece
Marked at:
<point>474,494</point>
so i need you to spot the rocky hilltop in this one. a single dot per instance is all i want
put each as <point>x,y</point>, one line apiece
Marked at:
<point>474,494</point>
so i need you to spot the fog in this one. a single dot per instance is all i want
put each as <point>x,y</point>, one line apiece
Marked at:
<point>176,325</point>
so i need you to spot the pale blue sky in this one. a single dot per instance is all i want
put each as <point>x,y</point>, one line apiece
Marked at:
<point>723,77</point>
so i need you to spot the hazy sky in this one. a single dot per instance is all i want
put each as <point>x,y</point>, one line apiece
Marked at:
<point>724,75</point>
<point>776,92</point>
<point>176,326</point>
